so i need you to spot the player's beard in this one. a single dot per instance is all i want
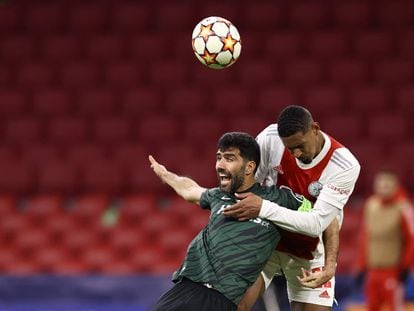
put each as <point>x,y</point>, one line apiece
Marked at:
<point>236,181</point>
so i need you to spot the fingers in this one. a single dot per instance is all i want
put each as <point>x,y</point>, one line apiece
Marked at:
<point>241,196</point>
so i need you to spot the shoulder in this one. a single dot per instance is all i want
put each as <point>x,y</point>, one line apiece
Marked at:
<point>343,159</point>
<point>270,131</point>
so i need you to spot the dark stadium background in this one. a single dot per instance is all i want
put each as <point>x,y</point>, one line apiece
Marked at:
<point>89,88</point>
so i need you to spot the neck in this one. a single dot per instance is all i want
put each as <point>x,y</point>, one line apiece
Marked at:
<point>321,142</point>
<point>247,185</point>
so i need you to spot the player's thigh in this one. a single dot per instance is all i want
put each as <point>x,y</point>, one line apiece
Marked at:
<point>301,306</point>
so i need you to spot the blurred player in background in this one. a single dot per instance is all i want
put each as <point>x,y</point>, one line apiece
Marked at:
<point>387,243</point>
<point>227,256</point>
<point>296,153</point>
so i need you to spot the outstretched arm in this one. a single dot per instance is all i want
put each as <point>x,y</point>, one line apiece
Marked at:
<point>185,187</point>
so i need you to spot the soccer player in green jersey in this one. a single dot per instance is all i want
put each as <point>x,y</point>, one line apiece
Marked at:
<point>227,256</point>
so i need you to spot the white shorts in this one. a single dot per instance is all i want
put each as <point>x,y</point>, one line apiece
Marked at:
<point>291,267</point>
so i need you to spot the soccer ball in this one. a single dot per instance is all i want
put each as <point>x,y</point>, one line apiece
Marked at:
<point>216,42</point>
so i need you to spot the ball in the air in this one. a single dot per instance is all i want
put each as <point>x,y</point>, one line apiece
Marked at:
<point>216,42</point>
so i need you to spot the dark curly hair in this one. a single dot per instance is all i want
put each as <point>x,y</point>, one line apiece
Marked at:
<point>294,119</point>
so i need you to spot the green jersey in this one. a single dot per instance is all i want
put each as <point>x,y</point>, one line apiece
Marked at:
<point>229,254</point>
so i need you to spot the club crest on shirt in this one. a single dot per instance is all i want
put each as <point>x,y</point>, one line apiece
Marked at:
<point>315,188</point>
<point>279,169</point>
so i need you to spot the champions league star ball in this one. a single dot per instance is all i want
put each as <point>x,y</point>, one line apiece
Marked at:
<point>216,42</point>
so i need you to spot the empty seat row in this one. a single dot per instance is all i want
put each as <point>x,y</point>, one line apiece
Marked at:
<point>179,15</point>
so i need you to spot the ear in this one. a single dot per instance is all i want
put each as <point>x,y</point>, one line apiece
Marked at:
<point>316,127</point>
<point>250,167</point>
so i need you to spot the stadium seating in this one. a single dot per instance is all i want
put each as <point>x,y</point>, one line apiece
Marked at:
<point>88,90</point>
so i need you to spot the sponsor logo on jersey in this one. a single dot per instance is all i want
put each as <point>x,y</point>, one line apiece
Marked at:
<point>315,188</point>
<point>338,190</point>
<point>279,169</point>
<point>225,198</point>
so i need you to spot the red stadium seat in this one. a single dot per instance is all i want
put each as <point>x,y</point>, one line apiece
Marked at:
<point>346,128</point>
<point>283,45</point>
<point>49,258</point>
<point>131,17</point>
<point>7,257</point>
<point>123,75</point>
<point>111,131</point>
<point>369,99</point>
<point>140,178</point>
<point>129,153</point>
<point>34,76</point>
<point>29,240</point>
<point>348,71</point>
<point>87,17</point>
<point>85,153</point>
<point>125,241</point>
<point>167,73</point>
<point>13,103</point>
<point>8,205</point>
<point>258,73</point>
<point>39,208</point>
<point>102,177</point>
<point>303,72</point>
<point>135,208</point>
<point>393,71</point>
<point>44,18</point>
<point>23,130</point>
<point>373,44</point>
<point>405,44</point>
<point>186,102</point>
<point>173,154</point>
<point>404,99</point>
<point>209,79</point>
<point>385,127</point>
<point>51,102</point>
<point>271,100</point>
<point>17,177</point>
<point>18,48</point>
<point>324,100</point>
<point>174,243</point>
<point>264,15</point>
<point>250,124</point>
<point>231,100</point>
<point>207,129</point>
<point>155,129</point>
<point>79,74</point>
<point>77,241</point>
<point>142,102</point>
<point>96,101</point>
<point>230,11</point>
<point>97,258</point>
<point>308,15</point>
<point>10,19</point>
<point>57,176</point>
<point>148,47</point>
<point>328,45</point>
<point>61,47</point>
<point>396,14</point>
<point>175,17</point>
<point>353,14</point>
<point>67,130</point>
<point>105,47</point>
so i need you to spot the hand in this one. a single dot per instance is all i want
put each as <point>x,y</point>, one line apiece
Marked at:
<point>158,169</point>
<point>247,208</point>
<point>314,279</point>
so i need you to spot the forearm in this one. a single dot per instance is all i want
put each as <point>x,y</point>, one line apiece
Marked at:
<point>183,186</point>
<point>251,295</point>
<point>311,223</point>
<point>331,244</point>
